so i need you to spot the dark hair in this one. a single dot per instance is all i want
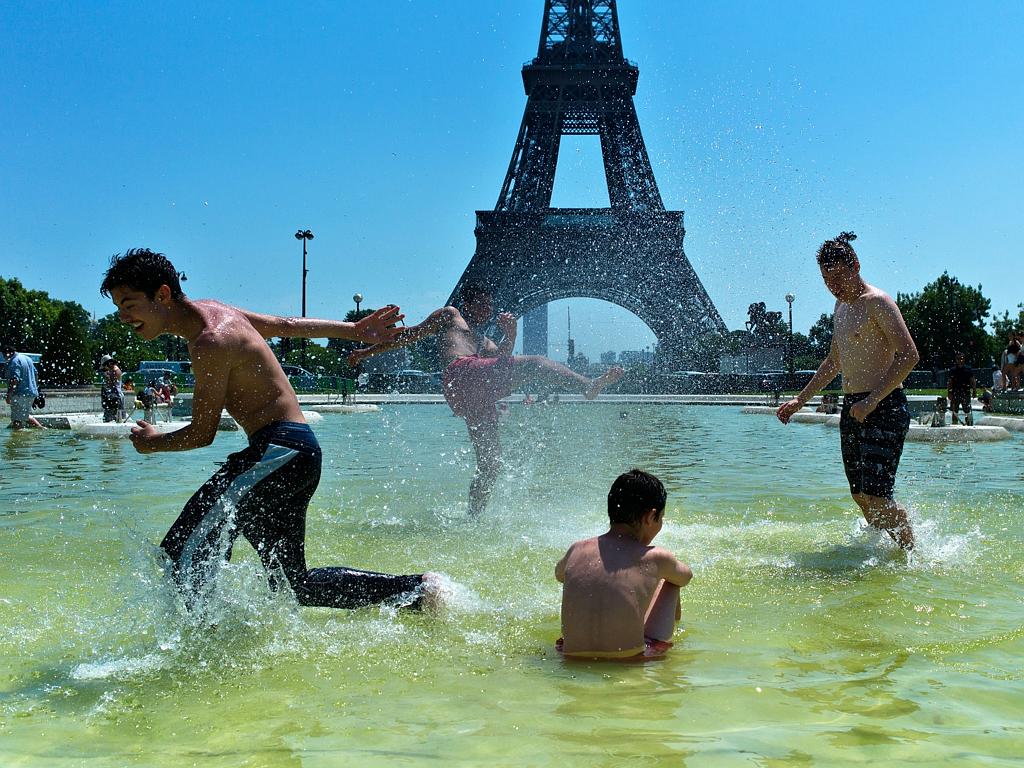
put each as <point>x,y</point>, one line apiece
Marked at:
<point>7,349</point>
<point>838,251</point>
<point>633,494</point>
<point>142,270</point>
<point>471,289</point>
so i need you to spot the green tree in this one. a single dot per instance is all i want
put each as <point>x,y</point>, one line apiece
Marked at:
<point>947,317</point>
<point>820,337</point>
<point>112,337</point>
<point>67,359</point>
<point>804,356</point>
<point>341,348</point>
<point>26,317</point>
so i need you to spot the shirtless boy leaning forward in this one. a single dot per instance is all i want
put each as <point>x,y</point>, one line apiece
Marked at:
<point>478,373</point>
<point>620,595</point>
<point>261,492</point>
<point>873,349</point>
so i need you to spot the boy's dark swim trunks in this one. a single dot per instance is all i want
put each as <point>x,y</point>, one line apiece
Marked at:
<point>262,493</point>
<point>872,448</point>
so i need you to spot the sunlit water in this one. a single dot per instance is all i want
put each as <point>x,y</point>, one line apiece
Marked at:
<point>808,640</point>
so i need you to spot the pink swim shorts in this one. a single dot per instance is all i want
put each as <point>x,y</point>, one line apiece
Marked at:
<point>473,385</point>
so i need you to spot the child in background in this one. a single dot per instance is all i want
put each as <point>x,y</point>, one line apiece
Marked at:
<point>936,418</point>
<point>620,595</point>
<point>149,397</point>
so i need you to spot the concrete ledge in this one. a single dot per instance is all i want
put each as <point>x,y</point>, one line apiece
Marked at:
<point>340,408</point>
<point>956,433</point>
<point>1011,423</point>
<point>113,429</point>
<point>78,421</point>
<point>803,417</point>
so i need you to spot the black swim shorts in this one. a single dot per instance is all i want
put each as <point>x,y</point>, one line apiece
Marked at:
<point>872,448</point>
<point>262,493</point>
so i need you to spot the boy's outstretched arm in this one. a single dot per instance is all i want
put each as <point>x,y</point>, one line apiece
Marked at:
<point>437,321</point>
<point>374,328</point>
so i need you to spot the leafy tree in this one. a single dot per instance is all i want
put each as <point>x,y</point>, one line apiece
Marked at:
<point>112,337</point>
<point>708,351</point>
<point>820,337</point>
<point>67,359</point>
<point>804,356</point>
<point>26,317</point>
<point>341,348</point>
<point>317,358</point>
<point>947,317</point>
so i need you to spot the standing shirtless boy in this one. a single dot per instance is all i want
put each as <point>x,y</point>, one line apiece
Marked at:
<point>620,595</point>
<point>478,373</point>
<point>263,491</point>
<point>873,348</point>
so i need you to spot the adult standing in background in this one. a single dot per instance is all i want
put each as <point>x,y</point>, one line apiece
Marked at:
<point>873,349</point>
<point>111,392</point>
<point>961,389</point>
<point>22,388</point>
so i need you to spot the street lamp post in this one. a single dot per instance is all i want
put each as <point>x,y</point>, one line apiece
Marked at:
<point>790,298</point>
<point>358,299</point>
<point>182,277</point>
<point>304,235</point>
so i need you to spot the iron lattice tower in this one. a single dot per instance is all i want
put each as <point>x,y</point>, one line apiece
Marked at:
<point>631,253</point>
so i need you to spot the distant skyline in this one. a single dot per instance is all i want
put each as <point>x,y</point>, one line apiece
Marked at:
<point>212,132</point>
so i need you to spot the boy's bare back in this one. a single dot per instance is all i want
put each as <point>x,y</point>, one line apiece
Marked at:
<point>609,583</point>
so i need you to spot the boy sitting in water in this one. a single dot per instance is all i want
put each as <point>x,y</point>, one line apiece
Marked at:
<point>620,595</point>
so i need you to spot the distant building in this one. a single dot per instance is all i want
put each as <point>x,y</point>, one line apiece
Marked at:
<point>608,358</point>
<point>636,357</point>
<point>754,361</point>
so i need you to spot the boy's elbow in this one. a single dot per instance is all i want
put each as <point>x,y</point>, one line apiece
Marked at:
<point>204,436</point>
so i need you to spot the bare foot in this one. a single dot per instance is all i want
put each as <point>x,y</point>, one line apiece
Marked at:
<point>433,593</point>
<point>608,378</point>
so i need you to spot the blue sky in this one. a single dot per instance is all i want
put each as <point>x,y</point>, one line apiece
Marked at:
<point>212,131</point>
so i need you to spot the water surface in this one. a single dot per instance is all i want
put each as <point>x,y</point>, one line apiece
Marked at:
<point>807,639</point>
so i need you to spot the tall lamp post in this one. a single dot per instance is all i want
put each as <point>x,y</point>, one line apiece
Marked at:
<point>182,277</point>
<point>304,235</point>
<point>358,299</point>
<point>790,298</point>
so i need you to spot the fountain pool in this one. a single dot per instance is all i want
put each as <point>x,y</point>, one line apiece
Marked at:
<point>807,639</point>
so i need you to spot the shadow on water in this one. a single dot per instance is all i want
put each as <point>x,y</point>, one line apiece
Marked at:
<point>847,558</point>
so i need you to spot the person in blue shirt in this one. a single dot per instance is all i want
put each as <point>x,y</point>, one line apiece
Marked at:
<point>20,375</point>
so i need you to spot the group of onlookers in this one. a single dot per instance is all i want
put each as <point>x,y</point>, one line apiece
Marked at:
<point>155,393</point>
<point>1011,366</point>
<point>19,373</point>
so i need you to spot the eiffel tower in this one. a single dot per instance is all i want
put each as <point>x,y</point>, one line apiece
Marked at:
<point>630,254</point>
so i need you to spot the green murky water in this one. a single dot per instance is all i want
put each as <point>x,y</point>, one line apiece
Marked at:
<point>807,641</point>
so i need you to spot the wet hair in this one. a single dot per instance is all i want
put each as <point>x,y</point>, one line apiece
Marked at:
<point>7,349</point>
<point>838,251</point>
<point>633,494</point>
<point>475,288</point>
<point>142,270</point>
